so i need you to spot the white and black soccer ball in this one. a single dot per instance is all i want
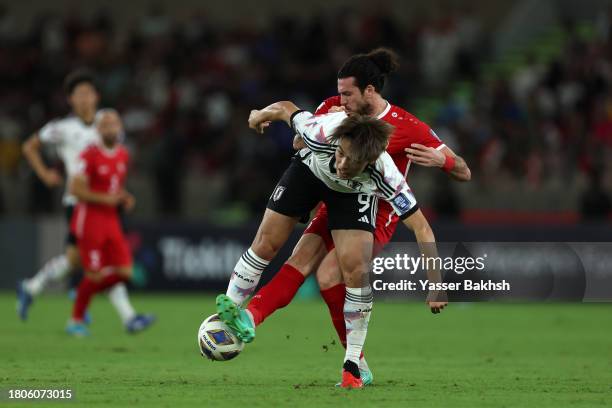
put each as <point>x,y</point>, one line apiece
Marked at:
<point>216,341</point>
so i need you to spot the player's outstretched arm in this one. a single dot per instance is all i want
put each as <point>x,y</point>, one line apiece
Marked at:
<point>80,189</point>
<point>444,158</point>
<point>31,151</point>
<point>436,300</point>
<point>278,111</point>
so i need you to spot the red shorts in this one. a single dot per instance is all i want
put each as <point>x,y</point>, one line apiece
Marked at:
<point>100,238</point>
<point>386,222</point>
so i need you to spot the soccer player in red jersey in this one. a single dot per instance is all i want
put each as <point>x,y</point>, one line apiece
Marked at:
<point>69,136</point>
<point>104,251</point>
<point>360,82</point>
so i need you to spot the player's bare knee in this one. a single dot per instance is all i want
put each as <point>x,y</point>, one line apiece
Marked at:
<point>354,271</point>
<point>265,246</point>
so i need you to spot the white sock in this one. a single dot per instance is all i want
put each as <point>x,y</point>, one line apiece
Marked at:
<point>118,296</point>
<point>357,309</point>
<point>245,277</point>
<point>55,269</point>
<point>363,364</point>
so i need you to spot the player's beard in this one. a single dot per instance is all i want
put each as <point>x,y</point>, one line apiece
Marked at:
<point>365,108</point>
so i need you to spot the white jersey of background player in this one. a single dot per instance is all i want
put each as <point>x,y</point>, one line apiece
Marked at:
<point>381,179</point>
<point>69,136</point>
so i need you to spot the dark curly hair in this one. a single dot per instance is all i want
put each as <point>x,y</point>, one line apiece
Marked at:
<point>371,68</point>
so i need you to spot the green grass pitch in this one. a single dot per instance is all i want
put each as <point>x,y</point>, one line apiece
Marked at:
<point>471,355</point>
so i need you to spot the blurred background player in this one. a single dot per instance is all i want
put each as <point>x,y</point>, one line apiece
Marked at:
<point>360,82</point>
<point>98,184</point>
<point>69,136</point>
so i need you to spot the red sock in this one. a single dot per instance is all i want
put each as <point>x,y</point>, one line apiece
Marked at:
<point>277,294</point>
<point>87,288</point>
<point>334,297</point>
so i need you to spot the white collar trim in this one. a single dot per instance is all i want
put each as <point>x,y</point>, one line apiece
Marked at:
<point>384,113</point>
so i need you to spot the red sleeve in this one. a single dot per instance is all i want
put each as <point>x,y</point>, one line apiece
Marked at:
<point>427,137</point>
<point>327,104</point>
<point>418,132</point>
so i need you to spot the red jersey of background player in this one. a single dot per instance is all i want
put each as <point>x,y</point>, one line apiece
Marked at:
<point>97,226</point>
<point>408,130</point>
<point>106,171</point>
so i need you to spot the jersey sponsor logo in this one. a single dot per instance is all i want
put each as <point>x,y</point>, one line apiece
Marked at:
<point>278,192</point>
<point>103,169</point>
<point>402,202</point>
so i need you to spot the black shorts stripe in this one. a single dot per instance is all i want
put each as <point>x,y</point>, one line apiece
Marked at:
<point>374,210</point>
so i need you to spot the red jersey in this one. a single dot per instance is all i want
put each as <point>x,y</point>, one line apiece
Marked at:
<point>105,170</point>
<point>408,130</point>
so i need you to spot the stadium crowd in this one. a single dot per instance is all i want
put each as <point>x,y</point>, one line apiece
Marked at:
<point>185,88</point>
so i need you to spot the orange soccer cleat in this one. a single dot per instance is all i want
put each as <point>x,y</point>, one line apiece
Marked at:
<point>350,381</point>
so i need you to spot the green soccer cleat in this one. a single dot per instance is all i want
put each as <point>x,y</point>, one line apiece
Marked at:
<point>236,318</point>
<point>366,377</point>
<point>364,371</point>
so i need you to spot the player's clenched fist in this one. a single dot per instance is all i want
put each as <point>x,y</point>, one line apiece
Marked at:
<point>257,122</point>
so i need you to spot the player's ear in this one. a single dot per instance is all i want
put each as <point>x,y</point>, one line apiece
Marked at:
<point>369,90</point>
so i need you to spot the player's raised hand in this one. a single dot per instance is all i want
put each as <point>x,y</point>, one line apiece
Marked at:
<point>257,122</point>
<point>298,142</point>
<point>335,109</point>
<point>51,178</point>
<point>425,156</point>
<point>436,307</point>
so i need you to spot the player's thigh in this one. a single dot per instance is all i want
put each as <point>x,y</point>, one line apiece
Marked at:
<point>272,234</point>
<point>91,252</point>
<point>295,195</point>
<point>328,272</point>
<point>308,253</point>
<point>117,253</point>
<point>354,252</point>
<point>319,225</point>
<point>352,219</point>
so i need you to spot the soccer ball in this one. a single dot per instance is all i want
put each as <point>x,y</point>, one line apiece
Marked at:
<point>216,340</point>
